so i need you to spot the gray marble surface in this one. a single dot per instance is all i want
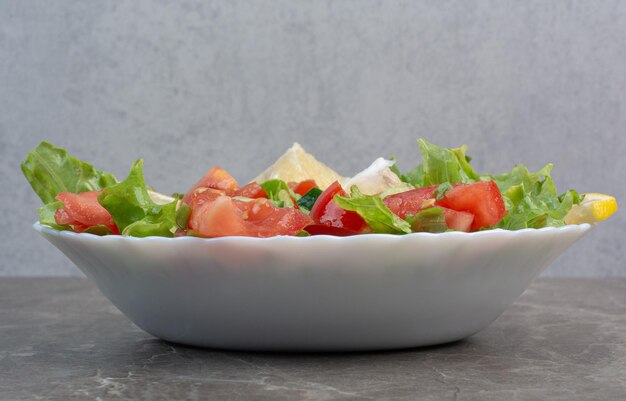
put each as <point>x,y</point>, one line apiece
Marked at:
<point>191,83</point>
<point>564,339</point>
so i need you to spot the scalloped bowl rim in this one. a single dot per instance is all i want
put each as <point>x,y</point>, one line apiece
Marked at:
<point>584,227</point>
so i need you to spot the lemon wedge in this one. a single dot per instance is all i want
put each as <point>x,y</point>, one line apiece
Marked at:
<point>593,208</point>
<point>377,178</point>
<point>296,164</point>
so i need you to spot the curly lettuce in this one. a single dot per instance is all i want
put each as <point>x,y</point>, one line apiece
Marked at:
<point>531,199</point>
<point>51,170</point>
<point>374,211</point>
<point>134,212</point>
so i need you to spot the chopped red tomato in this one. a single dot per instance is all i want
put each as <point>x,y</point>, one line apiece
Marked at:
<point>325,211</point>
<point>412,201</point>
<point>217,218</point>
<point>482,199</point>
<point>460,221</point>
<point>82,211</point>
<point>215,178</point>
<point>466,206</point>
<point>323,229</point>
<point>251,190</point>
<point>201,195</point>
<point>224,216</point>
<point>302,187</point>
<point>267,220</point>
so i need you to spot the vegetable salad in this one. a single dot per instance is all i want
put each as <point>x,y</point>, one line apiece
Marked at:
<point>442,193</point>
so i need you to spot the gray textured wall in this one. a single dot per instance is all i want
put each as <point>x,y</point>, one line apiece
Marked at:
<point>192,84</point>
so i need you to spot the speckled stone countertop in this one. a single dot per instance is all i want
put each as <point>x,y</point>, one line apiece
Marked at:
<point>564,339</point>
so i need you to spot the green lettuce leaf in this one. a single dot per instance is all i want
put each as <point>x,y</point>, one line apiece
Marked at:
<point>372,209</point>
<point>429,220</point>
<point>46,215</point>
<point>467,172</point>
<point>531,199</point>
<point>99,229</point>
<point>279,193</point>
<point>414,177</point>
<point>440,165</point>
<point>182,215</point>
<point>441,190</point>
<point>134,213</point>
<point>51,170</point>
<point>445,165</point>
<point>521,176</point>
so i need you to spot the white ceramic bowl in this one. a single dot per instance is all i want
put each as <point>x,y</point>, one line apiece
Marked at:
<point>364,292</point>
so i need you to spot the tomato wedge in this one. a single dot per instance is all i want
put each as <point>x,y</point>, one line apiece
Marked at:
<point>83,211</point>
<point>326,212</point>
<point>482,199</point>
<point>460,221</point>
<point>412,201</point>
<point>215,178</point>
<point>217,218</point>
<point>267,220</point>
<point>202,195</point>
<point>251,190</point>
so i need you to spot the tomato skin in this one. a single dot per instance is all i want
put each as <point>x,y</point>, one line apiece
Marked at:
<point>411,201</point>
<point>215,178</point>
<point>302,187</point>
<point>482,199</point>
<point>82,211</point>
<point>323,229</point>
<point>325,211</point>
<point>324,199</point>
<point>252,190</point>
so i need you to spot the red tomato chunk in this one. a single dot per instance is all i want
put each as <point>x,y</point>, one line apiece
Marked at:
<point>215,178</point>
<point>412,201</point>
<point>455,220</point>
<point>82,211</point>
<point>219,215</point>
<point>482,199</point>
<point>466,207</point>
<point>251,190</point>
<point>326,212</point>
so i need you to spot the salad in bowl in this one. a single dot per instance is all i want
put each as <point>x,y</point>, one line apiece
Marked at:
<point>390,259</point>
<point>300,196</point>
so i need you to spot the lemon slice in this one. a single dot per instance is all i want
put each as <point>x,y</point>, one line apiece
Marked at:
<point>296,164</point>
<point>593,208</point>
<point>377,178</point>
